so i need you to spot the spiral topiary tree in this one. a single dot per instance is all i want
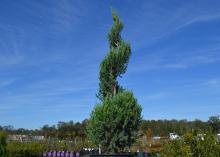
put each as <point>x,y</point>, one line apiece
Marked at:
<point>115,121</point>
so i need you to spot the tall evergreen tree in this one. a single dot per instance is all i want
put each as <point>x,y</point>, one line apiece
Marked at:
<point>115,63</point>
<point>114,123</point>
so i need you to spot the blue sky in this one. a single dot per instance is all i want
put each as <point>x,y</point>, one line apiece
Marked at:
<point>50,53</point>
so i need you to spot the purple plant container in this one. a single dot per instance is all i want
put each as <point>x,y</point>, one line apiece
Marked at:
<point>77,154</point>
<point>44,154</point>
<point>72,154</point>
<point>67,154</point>
<point>62,154</point>
<point>54,153</point>
<point>49,154</point>
<point>58,153</point>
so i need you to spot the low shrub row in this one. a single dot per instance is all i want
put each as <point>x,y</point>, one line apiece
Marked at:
<point>25,149</point>
<point>29,149</point>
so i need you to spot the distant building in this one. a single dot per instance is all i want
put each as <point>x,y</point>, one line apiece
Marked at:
<point>37,138</point>
<point>173,136</point>
<point>201,136</point>
<point>25,138</point>
<point>17,138</point>
<point>156,138</point>
<point>218,138</point>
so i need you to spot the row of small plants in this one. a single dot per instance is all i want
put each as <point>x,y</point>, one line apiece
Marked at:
<point>27,149</point>
<point>36,148</point>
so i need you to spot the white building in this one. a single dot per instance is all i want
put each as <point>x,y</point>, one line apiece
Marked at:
<point>173,136</point>
<point>25,138</point>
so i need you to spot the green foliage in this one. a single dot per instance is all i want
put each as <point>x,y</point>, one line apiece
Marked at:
<point>3,152</point>
<point>115,121</point>
<point>114,124</point>
<point>192,145</point>
<point>201,145</point>
<point>176,148</point>
<point>217,150</point>
<point>65,130</point>
<point>214,123</point>
<point>25,149</point>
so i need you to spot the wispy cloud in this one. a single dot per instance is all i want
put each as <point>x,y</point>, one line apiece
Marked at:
<point>192,61</point>
<point>187,23</point>
<point>181,60</point>
<point>6,60</point>
<point>61,15</point>
<point>10,51</point>
<point>156,96</point>
<point>204,18</point>
<point>6,82</point>
<point>161,22</point>
<point>213,83</point>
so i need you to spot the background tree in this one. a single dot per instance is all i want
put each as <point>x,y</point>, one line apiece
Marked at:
<point>71,130</point>
<point>214,122</point>
<point>49,131</point>
<point>115,122</point>
<point>164,127</point>
<point>3,152</point>
<point>149,134</point>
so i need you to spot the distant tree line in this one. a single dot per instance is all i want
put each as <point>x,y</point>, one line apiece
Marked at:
<point>62,130</point>
<point>71,131</point>
<point>164,127</point>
